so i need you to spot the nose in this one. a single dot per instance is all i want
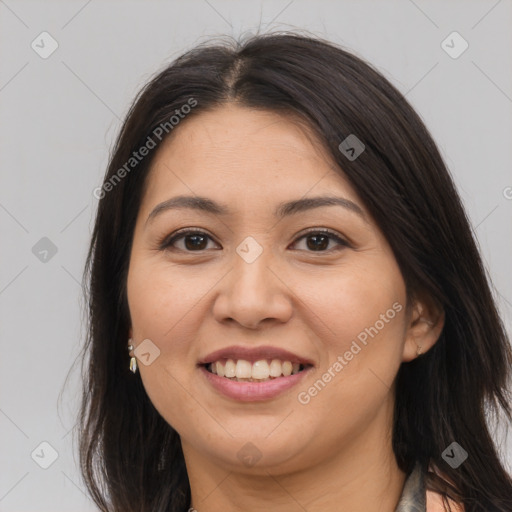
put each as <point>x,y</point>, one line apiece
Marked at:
<point>253,293</point>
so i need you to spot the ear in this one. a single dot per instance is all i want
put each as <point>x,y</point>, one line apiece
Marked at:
<point>425,323</point>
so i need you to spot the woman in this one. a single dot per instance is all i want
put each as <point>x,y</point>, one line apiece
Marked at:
<point>281,259</point>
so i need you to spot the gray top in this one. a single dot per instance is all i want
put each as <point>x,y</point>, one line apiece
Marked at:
<point>414,494</point>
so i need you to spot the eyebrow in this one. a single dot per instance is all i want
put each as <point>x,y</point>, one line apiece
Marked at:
<point>283,209</point>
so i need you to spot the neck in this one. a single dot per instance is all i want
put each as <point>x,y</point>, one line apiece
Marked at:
<point>362,475</point>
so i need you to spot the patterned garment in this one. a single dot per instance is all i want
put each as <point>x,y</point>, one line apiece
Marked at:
<point>414,495</point>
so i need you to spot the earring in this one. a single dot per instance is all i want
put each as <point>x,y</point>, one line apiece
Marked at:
<point>418,351</point>
<point>133,361</point>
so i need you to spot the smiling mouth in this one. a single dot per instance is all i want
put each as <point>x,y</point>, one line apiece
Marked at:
<point>240,370</point>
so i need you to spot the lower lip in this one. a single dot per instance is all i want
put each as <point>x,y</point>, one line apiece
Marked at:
<point>253,391</point>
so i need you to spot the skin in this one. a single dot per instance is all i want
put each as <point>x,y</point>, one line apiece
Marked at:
<point>333,453</point>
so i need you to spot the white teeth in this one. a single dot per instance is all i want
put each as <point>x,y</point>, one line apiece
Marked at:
<point>219,368</point>
<point>276,368</point>
<point>229,368</point>
<point>260,370</point>
<point>242,370</point>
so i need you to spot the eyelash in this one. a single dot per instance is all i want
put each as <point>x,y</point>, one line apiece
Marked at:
<point>165,244</point>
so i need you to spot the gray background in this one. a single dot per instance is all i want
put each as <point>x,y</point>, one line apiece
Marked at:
<point>59,116</point>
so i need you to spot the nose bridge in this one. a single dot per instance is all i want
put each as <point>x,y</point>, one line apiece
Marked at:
<point>253,292</point>
<point>251,267</point>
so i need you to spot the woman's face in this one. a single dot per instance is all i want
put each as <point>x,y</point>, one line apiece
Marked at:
<point>259,275</point>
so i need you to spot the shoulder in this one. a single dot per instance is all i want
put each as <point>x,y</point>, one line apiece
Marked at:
<point>435,503</point>
<point>435,500</point>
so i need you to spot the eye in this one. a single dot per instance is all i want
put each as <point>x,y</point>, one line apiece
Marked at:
<point>194,240</point>
<point>318,240</point>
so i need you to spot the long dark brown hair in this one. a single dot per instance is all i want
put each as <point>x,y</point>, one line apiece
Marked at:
<point>130,457</point>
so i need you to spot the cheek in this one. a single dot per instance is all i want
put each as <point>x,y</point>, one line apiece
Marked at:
<point>351,301</point>
<point>162,299</point>
<point>359,319</point>
<point>164,307</point>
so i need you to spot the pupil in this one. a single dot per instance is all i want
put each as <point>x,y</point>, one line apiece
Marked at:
<point>195,245</point>
<point>315,245</point>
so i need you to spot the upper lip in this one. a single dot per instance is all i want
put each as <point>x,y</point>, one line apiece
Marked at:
<point>254,354</point>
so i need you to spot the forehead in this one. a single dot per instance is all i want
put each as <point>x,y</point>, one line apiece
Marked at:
<point>234,127</point>
<point>237,153</point>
